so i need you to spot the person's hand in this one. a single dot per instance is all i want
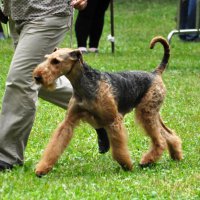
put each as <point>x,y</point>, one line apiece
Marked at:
<point>79,4</point>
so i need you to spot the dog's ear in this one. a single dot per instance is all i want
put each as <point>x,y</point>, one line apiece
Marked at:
<point>76,54</point>
<point>56,48</point>
<point>47,55</point>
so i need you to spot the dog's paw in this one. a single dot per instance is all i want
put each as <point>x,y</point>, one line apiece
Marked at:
<point>145,165</point>
<point>42,169</point>
<point>127,167</point>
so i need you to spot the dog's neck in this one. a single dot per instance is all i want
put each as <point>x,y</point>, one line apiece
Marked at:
<point>84,80</point>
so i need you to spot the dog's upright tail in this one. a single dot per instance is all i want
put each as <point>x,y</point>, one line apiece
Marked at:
<point>162,66</point>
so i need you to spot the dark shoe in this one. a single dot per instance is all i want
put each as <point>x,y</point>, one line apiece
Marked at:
<point>103,140</point>
<point>190,38</point>
<point>3,18</point>
<point>2,36</point>
<point>5,166</point>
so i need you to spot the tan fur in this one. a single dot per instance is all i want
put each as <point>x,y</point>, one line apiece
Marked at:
<point>147,113</point>
<point>103,112</point>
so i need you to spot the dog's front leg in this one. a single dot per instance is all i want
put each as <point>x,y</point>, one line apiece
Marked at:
<point>118,140</point>
<point>57,144</point>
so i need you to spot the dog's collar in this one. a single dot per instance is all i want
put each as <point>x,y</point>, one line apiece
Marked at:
<point>81,63</point>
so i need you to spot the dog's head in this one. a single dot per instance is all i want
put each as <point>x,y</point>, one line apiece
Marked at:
<point>61,62</point>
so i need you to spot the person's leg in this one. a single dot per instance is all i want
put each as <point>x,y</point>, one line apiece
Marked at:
<point>63,85</point>
<point>84,21</point>
<point>18,108</point>
<point>183,17</point>
<point>188,19</point>
<point>191,19</point>
<point>98,23</point>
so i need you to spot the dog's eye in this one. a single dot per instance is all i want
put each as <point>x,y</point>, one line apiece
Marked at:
<point>55,61</point>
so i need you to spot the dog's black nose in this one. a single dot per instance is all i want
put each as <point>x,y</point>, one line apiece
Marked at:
<point>38,79</point>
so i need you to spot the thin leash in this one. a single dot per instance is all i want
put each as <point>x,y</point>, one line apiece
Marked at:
<point>71,28</point>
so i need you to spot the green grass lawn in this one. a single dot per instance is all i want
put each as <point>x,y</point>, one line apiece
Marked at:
<point>82,173</point>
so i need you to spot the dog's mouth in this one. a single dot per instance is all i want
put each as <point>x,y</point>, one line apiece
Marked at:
<point>48,85</point>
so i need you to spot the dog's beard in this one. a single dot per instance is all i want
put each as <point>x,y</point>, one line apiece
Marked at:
<point>51,86</point>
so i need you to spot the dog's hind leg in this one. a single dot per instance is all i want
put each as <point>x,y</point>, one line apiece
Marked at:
<point>173,141</point>
<point>147,114</point>
<point>118,141</point>
<point>151,125</point>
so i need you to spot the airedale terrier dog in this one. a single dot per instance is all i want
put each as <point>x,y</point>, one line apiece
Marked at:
<point>102,99</point>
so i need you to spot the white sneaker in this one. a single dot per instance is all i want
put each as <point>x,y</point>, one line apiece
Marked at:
<point>93,50</point>
<point>83,49</point>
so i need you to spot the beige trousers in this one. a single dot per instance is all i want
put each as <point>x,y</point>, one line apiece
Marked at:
<point>36,38</point>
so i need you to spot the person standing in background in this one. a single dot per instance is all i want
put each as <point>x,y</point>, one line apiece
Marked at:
<point>188,19</point>
<point>89,25</point>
